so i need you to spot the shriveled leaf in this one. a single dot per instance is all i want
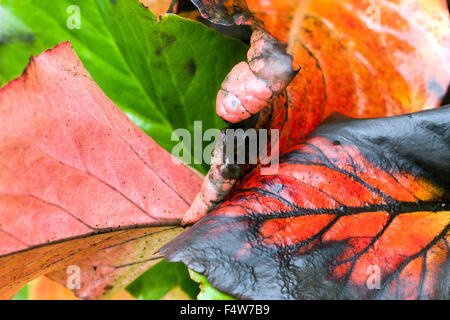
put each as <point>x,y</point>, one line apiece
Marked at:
<point>246,91</point>
<point>356,200</point>
<point>76,174</point>
<point>341,70</point>
<point>162,74</point>
<point>158,7</point>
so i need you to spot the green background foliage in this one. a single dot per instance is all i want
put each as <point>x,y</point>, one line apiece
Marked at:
<point>160,279</point>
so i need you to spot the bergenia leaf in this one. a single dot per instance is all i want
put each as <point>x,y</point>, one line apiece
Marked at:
<point>356,200</point>
<point>76,174</point>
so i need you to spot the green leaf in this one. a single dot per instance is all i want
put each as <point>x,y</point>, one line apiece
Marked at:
<point>22,294</point>
<point>160,279</point>
<point>207,291</point>
<point>164,75</point>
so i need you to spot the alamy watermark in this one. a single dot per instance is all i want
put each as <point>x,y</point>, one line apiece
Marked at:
<point>74,20</point>
<point>232,146</point>
<point>374,279</point>
<point>73,281</point>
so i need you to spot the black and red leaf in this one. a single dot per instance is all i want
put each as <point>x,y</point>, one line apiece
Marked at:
<point>355,200</point>
<point>226,12</point>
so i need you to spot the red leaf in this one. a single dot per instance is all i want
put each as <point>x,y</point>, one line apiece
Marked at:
<point>72,166</point>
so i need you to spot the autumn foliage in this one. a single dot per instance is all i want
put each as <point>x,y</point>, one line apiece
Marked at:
<point>362,187</point>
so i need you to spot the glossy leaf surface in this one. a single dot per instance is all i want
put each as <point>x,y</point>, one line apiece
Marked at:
<point>356,197</point>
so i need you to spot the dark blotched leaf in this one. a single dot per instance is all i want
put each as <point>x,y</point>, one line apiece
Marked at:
<point>354,198</point>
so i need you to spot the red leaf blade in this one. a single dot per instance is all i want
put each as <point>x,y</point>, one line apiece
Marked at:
<point>73,165</point>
